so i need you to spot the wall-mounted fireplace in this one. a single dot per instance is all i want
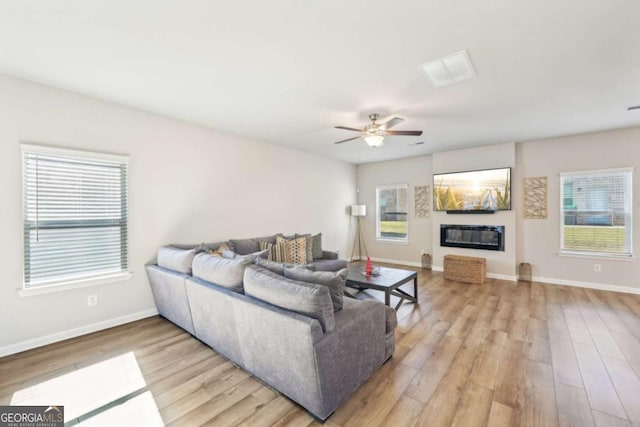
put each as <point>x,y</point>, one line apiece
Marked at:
<point>488,237</point>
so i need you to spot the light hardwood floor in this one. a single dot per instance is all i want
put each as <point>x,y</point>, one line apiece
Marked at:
<point>498,354</point>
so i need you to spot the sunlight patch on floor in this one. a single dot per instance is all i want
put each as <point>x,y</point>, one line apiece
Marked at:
<point>140,411</point>
<point>86,389</point>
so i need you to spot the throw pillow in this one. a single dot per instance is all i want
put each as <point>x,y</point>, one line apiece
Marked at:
<point>308,299</point>
<point>335,281</point>
<point>251,257</point>
<point>277,252</point>
<point>295,250</point>
<point>309,245</point>
<point>293,236</point>
<point>316,246</point>
<point>221,250</point>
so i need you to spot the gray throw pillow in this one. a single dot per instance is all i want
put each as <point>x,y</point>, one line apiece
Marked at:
<point>316,246</point>
<point>176,259</point>
<point>335,281</point>
<point>308,299</point>
<point>228,254</point>
<point>221,271</point>
<point>251,257</point>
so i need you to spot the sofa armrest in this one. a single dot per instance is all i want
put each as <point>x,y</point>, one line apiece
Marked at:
<point>355,349</point>
<point>329,255</point>
<point>391,319</point>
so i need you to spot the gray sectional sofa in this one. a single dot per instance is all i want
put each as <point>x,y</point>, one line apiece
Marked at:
<point>290,334</point>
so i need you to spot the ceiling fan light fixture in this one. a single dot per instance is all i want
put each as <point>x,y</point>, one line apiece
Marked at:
<point>374,140</point>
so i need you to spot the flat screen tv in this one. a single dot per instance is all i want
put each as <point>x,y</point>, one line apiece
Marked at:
<point>482,190</point>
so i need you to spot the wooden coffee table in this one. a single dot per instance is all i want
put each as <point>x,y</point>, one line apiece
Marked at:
<point>389,281</point>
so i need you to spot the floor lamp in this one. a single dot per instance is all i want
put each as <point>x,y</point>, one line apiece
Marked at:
<point>359,211</point>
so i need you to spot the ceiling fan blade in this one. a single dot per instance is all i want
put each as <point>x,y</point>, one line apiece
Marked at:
<point>345,140</point>
<point>404,132</point>
<point>348,128</point>
<point>391,122</point>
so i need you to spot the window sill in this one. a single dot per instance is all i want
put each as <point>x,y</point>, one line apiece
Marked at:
<point>392,241</point>
<point>602,256</point>
<point>75,284</point>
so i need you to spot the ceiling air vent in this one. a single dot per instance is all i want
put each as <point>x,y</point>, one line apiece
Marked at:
<point>450,69</point>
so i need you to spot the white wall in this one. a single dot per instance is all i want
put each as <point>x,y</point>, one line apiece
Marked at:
<point>424,233</point>
<point>499,263</point>
<point>539,239</point>
<point>414,171</point>
<point>527,240</point>
<point>187,184</point>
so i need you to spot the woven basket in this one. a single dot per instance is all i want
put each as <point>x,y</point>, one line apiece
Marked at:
<point>465,269</point>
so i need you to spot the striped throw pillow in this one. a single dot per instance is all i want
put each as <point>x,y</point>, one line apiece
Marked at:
<point>277,252</point>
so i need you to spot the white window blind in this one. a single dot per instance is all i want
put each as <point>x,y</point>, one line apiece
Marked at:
<point>75,215</point>
<point>597,212</point>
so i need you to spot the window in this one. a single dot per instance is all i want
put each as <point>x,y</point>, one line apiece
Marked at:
<point>392,204</point>
<point>596,213</point>
<point>75,216</point>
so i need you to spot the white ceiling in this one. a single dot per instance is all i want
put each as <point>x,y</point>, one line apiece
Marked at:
<point>287,71</point>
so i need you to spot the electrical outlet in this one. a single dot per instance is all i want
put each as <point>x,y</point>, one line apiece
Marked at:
<point>597,268</point>
<point>92,300</point>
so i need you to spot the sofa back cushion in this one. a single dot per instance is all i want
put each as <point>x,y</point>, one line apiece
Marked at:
<point>176,259</point>
<point>272,266</point>
<point>249,246</point>
<point>220,271</point>
<point>334,281</point>
<point>309,299</point>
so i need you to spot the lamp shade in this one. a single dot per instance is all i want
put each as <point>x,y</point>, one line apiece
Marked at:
<point>358,210</point>
<point>374,140</point>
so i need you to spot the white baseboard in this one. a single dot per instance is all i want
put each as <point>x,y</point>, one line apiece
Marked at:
<point>510,278</point>
<point>507,277</point>
<point>575,283</point>
<point>588,285</point>
<point>75,332</point>
<point>395,261</point>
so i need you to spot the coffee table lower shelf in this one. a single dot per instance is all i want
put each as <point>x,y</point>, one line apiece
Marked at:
<point>389,282</point>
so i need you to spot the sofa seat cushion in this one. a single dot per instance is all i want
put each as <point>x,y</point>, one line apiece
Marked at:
<point>329,264</point>
<point>335,281</point>
<point>221,271</point>
<point>309,299</point>
<point>176,259</point>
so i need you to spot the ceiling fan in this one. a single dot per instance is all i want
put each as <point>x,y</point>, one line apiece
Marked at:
<point>374,133</point>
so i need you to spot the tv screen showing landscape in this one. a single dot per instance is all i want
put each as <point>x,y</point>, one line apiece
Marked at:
<point>488,190</point>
